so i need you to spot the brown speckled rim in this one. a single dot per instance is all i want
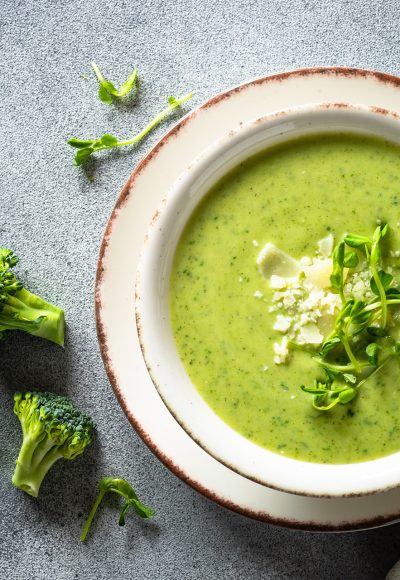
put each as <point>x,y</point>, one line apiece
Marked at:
<point>102,337</point>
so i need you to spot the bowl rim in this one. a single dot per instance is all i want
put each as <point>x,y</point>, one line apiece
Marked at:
<point>198,164</point>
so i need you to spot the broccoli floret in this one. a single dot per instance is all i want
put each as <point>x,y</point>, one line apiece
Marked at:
<point>22,310</point>
<point>52,428</point>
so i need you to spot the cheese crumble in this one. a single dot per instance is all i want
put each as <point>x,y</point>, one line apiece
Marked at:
<point>304,304</point>
<point>303,300</point>
<point>304,311</point>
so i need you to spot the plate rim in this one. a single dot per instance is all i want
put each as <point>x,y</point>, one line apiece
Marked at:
<point>122,198</point>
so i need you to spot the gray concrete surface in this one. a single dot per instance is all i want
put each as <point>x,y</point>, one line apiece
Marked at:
<point>53,218</point>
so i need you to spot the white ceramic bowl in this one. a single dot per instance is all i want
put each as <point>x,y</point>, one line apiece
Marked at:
<point>152,309</point>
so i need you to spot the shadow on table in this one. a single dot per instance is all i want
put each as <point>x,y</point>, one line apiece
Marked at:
<point>27,362</point>
<point>366,555</point>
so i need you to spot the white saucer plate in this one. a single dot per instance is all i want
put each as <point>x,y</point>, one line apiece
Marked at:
<point>115,296</point>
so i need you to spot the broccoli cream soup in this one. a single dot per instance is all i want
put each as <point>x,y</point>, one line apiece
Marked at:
<point>284,298</point>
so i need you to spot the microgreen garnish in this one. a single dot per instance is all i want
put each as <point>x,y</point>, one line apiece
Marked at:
<point>372,251</point>
<point>329,345</point>
<point>107,90</point>
<point>337,272</point>
<point>124,489</point>
<point>360,343</point>
<point>372,353</point>
<point>341,260</point>
<point>86,147</point>
<point>326,395</point>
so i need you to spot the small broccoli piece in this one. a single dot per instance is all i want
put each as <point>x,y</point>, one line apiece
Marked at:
<point>22,310</point>
<point>52,428</point>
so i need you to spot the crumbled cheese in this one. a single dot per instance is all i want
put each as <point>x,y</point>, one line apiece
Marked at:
<point>305,261</point>
<point>329,302</point>
<point>265,368</point>
<point>273,261</point>
<point>395,253</point>
<point>282,323</point>
<point>311,303</point>
<point>289,300</point>
<point>304,313</point>
<point>277,282</point>
<point>258,294</point>
<point>304,304</point>
<point>325,246</point>
<point>358,284</point>
<point>358,287</point>
<point>304,318</point>
<point>310,334</point>
<point>281,351</point>
<point>319,273</point>
<point>255,243</point>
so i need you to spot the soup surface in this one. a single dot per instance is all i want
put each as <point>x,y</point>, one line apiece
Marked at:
<point>292,196</point>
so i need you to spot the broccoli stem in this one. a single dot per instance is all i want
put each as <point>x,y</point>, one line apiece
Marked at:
<point>36,457</point>
<point>26,311</point>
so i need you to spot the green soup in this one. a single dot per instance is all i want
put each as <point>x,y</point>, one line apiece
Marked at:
<point>291,195</point>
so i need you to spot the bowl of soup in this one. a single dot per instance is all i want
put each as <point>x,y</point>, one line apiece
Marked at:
<point>244,279</point>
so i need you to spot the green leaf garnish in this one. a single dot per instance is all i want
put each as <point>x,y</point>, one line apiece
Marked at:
<point>350,378</point>
<point>317,389</point>
<point>329,345</point>
<point>107,139</point>
<point>392,292</point>
<point>331,375</point>
<point>376,331</point>
<point>104,95</point>
<point>374,259</point>
<point>107,89</point>
<point>337,271</point>
<point>124,489</point>
<point>372,250</point>
<point>385,278</point>
<point>81,143</point>
<point>372,353</point>
<point>347,395</point>
<point>110,141</point>
<point>172,100</point>
<point>353,353</point>
<point>350,260</point>
<point>355,241</point>
<point>82,155</point>
<point>329,398</point>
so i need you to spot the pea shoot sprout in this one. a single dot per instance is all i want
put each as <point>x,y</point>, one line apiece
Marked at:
<point>87,147</point>
<point>360,344</point>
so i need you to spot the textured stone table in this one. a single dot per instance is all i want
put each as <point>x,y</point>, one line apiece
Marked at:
<point>53,217</point>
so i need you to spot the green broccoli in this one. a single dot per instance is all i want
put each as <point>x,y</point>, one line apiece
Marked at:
<point>52,428</point>
<point>21,310</point>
